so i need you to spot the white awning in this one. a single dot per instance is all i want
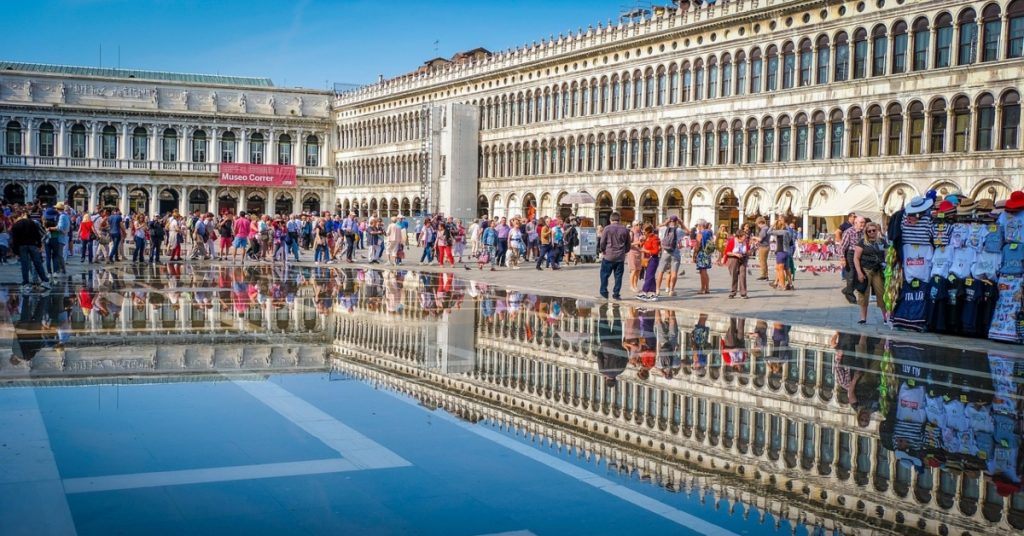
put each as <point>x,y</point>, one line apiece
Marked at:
<point>895,201</point>
<point>859,198</point>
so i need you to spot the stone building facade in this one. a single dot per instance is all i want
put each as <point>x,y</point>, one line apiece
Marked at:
<point>153,141</point>
<point>722,113</point>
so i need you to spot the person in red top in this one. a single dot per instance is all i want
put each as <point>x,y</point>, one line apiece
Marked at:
<point>651,249</point>
<point>241,241</point>
<point>85,235</point>
<point>735,258</point>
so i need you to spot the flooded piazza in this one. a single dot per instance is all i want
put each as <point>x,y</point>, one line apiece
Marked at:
<point>215,399</point>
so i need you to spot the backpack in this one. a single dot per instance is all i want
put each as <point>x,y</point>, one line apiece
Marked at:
<point>556,236</point>
<point>709,245</point>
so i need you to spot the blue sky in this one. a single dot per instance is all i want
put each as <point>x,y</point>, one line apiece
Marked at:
<point>296,43</point>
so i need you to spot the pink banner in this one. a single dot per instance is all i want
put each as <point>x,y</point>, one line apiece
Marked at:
<point>257,175</point>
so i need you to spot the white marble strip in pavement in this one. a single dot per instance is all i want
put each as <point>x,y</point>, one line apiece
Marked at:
<point>205,476</point>
<point>34,500</point>
<point>654,506</point>
<point>361,451</point>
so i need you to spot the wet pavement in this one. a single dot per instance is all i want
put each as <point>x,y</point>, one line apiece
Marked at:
<point>206,399</point>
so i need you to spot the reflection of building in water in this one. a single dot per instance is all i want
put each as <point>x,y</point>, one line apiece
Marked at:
<point>774,425</point>
<point>144,332</point>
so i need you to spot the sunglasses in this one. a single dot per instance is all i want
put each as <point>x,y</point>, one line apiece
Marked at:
<point>871,231</point>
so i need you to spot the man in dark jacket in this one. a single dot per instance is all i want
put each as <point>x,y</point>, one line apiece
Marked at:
<point>613,245</point>
<point>27,242</point>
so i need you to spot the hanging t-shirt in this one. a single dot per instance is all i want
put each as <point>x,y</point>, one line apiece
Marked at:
<point>1013,259</point>
<point>935,410</point>
<point>973,308</point>
<point>921,232</point>
<point>980,417</point>
<point>955,418</point>
<point>1012,226</point>
<point>1004,318</point>
<point>977,233</point>
<point>963,261</point>
<point>911,407</point>
<point>910,308</point>
<point>917,261</point>
<point>942,234</point>
<point>1004,463</point>
<point>958,234</point>
<point>986,265</point>
<point>942,260</point>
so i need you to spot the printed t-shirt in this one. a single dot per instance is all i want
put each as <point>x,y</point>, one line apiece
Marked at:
<point>917,261</point>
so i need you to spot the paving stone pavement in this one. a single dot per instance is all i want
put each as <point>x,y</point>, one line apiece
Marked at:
<point>816,302</point>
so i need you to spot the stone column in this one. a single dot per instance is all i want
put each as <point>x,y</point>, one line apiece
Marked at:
<point>93,197</point>
<point>931,48</point>
<point>241,200</point>
<point>184,153</point>
<point>154,201</point>
<point>905,133</point>
<point>124,200</point>
<point>883,141</point>
<point>947,138</point>
<point>296,145</point>
<point>212,201</point>
<point>926,146</point>
<point>807,222</point>
<point>846,134</point>
<point>954,52</point>
<point>28,147</point>
<point>997,128</point>
<point>271,155</point>
<point>123,150</point>
<point>183,200</point>
<point>214,151</point>
<point>243,149</point>
<point>61,141</point>
<point>93,148</point>
<point>154,142</point>
<point>911,40</point>
<point>1004,37</point>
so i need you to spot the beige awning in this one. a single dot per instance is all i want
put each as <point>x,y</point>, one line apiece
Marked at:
<point>859,198</point>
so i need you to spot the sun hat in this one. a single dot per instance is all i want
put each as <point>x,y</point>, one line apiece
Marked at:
<point>984,205</point>
<point>966,207</point>
<point>919,204</point>
<point>946,208</point>
<point>1015,202</point>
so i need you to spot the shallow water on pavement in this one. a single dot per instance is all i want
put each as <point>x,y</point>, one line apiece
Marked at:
<point>230,400</point>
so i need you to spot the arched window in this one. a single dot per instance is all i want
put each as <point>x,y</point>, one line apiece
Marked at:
<point>818,136</point>
<point>695,141</point>
<point>741,73</point>
<point>917,122</point>
<point>284,150</point>
<point>785,138</point>
<point>823,56</point>
<point>199,146</point>
<point>991,28</point>
<point>614,92</point>
<point>645,150</point>
<point>961,124</point>
<point>649,86</point>
<point>860,53</point>
<point>670,147</point>
<point>895,115</point>
<point>856,132</point>
<point>46,140</point>
<point>899,47</point>
<point>590,94</point>
<point>879,43</point>
<point>684,147</point>
<point>752,141</point>
<point>1010,121</point>
<point>806,62</point>
<point>673,84</point>
<point>771,76</point>
<point>712,77</point>
<point>687,83</point>
<point>662,86</point>
<point>756,71</point>
<point>698,80</point>
<point>638,90</point>
<point>737,142</point>
<point>875,130</point>
<point>709,144</point>
<point>726,75</point>
<point>801,137</point>
<point>600,153</point>
<point>838,129</point>
<point>228,147</point>
<point>767,140</point>
<point>169,143</point>
<point>257,149</point>
<point>625,92</point>
<point>591,149</point>
<point>967,48</point>
<point>943,39</point>
<point>13,139</point>
<point>312,151</point>
<point>605,95</point>
<point>623,151</point>
<point>985,105</point>
<point>937,110</point>
<point>842,69</point>
<point>922,35</point>
<point>634,150</point>
<point>1015,40</point>
<point>788,65</point>
<point>659,147</point>
<point>723,143</point>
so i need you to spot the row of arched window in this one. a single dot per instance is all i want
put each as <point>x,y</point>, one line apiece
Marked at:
<point>197,147</point>
<point>921,44</point>
<point>385,170</point>
<point>379,131</point>
<point>938,126</point>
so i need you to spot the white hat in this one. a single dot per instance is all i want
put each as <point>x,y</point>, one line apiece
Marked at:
<point>918,205</point>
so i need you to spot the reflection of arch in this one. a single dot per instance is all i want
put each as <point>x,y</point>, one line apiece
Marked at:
<point>896,197</point>
<point>198,200</point>
<point>993,189</point>
<point>138,201</point>
<point>78,198</point>
<point>673,203</point>
<point>755,202</point>
<point>604,207</point>
<point>14,193</point>
<point>482,206</point>
<point>284,203</point>
<point>311,203</point>
<point>168,201</point>
<point>47,193</point>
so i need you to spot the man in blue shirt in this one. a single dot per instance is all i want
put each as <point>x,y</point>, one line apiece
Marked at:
<point>294,227</point>
<point>349,227</point>
<point>116,222</point>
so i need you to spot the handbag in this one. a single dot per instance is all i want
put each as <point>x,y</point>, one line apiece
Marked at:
<point>644,261</point>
